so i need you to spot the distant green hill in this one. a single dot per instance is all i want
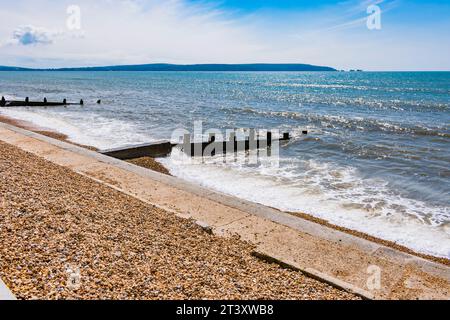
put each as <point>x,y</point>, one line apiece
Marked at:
<point>3,68</point>
<point>193,67</point>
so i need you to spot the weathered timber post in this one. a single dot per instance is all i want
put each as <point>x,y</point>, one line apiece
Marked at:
<point>269,138</point>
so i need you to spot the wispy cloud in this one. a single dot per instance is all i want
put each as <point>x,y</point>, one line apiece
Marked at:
<point>182,31</point>
<point>354,16</point>
<point>134,31</point>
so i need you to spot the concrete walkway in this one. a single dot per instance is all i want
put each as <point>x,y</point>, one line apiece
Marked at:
<point>5,293</point>
<point>363,267</point>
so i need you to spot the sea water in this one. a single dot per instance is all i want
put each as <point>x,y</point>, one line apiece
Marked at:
<point>376,159</point>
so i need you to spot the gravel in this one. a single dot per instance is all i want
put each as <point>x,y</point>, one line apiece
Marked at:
<point>64,236</point>
<point>150,163</point>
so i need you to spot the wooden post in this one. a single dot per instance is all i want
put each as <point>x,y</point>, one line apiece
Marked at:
<point>286,136</point>
<point>269,138</point>
<point>305,131</point>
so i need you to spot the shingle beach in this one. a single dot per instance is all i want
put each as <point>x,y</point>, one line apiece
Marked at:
<point>64,236</point>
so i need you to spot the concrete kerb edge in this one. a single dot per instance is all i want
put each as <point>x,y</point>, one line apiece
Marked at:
<point>5,293</point>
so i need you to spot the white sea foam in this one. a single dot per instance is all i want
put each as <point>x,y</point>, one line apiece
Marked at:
<point>84,128</point>
<point>338,195</point>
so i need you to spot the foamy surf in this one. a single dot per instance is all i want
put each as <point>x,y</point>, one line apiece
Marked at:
<point>337,195</point>
<point>87,129</point>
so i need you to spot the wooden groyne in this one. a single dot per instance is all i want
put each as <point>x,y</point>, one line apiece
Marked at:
<point>44,103</point>
<point>156,149</point>
<point>197,149</point>
<point>232,145</point>
<point>164,148</point>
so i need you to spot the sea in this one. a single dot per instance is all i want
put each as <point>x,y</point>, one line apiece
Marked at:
<point>376,158</point>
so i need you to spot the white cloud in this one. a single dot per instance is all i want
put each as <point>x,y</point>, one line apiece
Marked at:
<point>31,35</point>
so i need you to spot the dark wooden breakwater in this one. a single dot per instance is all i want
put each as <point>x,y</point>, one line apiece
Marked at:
<point>197,149</point>
<point>156,149</point>
<point>44,103</point>
<point>213,147</point>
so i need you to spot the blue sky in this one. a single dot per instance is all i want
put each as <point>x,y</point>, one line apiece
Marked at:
<point>413,35</point>
<point>251,5</point>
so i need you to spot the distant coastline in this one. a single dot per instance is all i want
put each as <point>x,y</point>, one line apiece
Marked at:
<point>191,67</point>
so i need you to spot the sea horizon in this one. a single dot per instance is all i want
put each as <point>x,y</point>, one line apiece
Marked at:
<point>93,68</point>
